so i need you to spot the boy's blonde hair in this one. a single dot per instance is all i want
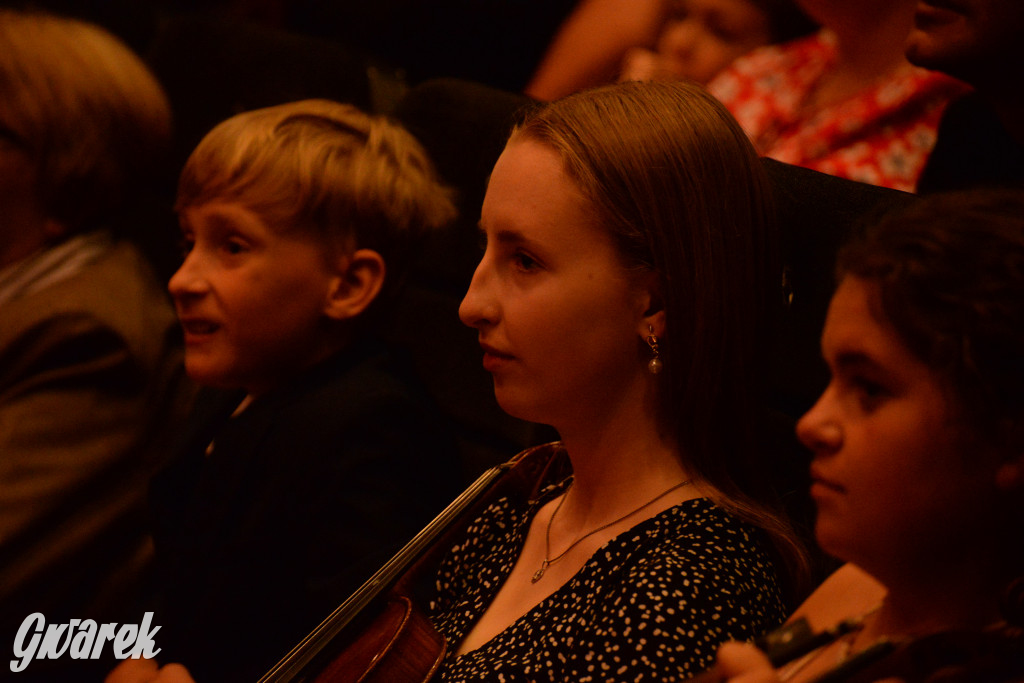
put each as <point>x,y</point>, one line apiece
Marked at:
<point>326,169</point>
<point>86,110</point>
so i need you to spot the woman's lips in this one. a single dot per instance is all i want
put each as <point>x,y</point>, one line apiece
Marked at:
<point>951,5</point>
<point>931,13</point>
<point>493,358</point>
<point>821,485</point>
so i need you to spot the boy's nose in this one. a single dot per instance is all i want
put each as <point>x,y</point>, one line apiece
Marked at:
<point>187,280</point>
<point>478,307</point>
<point>818,429</point>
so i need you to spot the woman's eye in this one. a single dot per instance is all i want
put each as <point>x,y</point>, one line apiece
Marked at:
<point>678,11</point>
<point>723,33</point>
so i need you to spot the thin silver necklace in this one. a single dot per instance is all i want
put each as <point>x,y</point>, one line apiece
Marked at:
<point>548,561</point>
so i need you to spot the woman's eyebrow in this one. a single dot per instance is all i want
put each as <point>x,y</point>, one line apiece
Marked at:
<point>503,236</point>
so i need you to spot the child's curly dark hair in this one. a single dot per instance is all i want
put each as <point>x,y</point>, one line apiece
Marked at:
<point>950,276</point>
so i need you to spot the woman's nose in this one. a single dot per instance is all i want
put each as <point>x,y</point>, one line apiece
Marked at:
<point>819,429</point>
<point>478,307</point>
<point>678,40</point>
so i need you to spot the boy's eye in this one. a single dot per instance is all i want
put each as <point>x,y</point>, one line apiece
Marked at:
<point>185,245</point>
<point>235,246</point>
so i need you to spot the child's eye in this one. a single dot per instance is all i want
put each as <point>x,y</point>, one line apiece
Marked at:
<point>869,393</point>
<point>235,246</point>
<point>524,262</point>
<point>185,245</point>
<point>481,241</point>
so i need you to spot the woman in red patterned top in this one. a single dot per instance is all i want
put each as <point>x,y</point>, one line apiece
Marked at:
<point>844,101</point>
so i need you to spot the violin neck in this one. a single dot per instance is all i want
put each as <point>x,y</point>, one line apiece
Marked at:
<point>401,571</point>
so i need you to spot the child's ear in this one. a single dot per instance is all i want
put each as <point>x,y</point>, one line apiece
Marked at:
<point>358,282</point>
<point>1010,475</point>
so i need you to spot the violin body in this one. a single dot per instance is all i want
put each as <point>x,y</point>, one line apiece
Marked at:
<point>400,644</point>
<point>992,655</point>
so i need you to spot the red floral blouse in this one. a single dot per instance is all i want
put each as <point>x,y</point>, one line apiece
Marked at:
<point>882,136</point>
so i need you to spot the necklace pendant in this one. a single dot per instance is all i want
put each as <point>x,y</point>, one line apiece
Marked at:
<point>537,575</point>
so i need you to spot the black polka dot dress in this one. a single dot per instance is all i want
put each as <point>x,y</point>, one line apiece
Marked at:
<point>651,605</point>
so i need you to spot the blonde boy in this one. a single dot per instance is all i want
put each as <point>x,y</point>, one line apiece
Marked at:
<point>322,457</point>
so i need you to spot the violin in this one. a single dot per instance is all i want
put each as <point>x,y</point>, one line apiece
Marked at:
<point>991,655</point>
<point>379,634</point>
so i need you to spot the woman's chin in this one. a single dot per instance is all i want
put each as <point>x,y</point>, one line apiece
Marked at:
<point>519,406</point>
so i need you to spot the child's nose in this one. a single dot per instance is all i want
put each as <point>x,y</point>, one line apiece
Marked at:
<point>818,429</point>
<point>188,279</point>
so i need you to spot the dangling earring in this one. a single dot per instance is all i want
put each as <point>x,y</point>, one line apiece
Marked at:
<point>654,365</point>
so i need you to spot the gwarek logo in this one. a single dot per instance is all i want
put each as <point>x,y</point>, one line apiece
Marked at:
<point>81,639</point>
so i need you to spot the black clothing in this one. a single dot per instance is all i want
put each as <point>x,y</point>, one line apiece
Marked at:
<point>973,150</point>
<point>302,496</point>
<point>651,605</point>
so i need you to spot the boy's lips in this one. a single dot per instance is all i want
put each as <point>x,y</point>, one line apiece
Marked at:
<point>198,327</point>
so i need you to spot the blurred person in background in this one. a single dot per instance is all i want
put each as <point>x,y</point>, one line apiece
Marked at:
<point>90,358</point>
<point>981,135</point>
<point>702,37</point>
<point>844,101</point>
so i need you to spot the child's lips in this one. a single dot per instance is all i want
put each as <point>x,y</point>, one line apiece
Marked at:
<point>198,327</point>
<point>493,358</point>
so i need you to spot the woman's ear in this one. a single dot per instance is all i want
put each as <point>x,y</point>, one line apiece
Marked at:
<point>653,323</point>
<point>651,307</point>
<point>358,282</point>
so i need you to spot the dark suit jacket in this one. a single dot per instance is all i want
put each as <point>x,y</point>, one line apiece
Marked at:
<point>973,150</point>
<point>302,497</point>
<point>90,382</point>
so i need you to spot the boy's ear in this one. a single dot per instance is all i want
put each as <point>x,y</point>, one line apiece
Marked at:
<point>358,282</point>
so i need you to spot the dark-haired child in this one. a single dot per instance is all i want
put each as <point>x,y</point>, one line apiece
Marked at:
<point>918,448</point>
